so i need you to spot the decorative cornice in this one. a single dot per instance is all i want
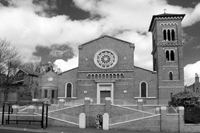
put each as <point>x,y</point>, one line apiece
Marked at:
<point>106,71</point>
<point>171,87</point>
<point>167,18</point>
<point>105,80</point>
<point>169,44</point>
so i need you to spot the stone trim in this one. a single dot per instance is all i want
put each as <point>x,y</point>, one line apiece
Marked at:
<point>171,86</point>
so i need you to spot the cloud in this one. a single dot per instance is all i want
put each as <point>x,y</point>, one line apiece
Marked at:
<point>189,72</point>
<point>54,52</point>
<point>64,66</point>
<point>27,24</point>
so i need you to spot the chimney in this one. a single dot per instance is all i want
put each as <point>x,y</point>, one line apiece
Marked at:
<point>196,78</point>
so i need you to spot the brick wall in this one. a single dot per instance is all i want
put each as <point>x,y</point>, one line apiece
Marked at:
<point>67,77</point>
<point>150,124</point>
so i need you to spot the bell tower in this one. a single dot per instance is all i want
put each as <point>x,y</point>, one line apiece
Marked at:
<point>167,54</point>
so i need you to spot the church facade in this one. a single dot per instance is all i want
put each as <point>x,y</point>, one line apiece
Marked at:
<point>106,68</point>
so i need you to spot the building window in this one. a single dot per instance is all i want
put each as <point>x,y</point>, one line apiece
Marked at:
<point>167,54</point>
<point>173,35</point>
<point>170,75</point>
<point>169,34</point>
<point>45,93</point>
<point>68,89</point>
<point>197,90</point>
<point>143,89</point>
<point>164,35</point>
<point>170,55</point>
<point>53,93</point>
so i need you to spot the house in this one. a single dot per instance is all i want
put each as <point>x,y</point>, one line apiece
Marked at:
<point>195,86</point>
<point>24,86</point>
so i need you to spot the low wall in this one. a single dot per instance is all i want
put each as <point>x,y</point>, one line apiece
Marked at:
<point>171,123</point>
<point>151,124</point>
<point>119,111</point>
<point>72,111</point>
<point>60,123</point>
<point>191,128</point>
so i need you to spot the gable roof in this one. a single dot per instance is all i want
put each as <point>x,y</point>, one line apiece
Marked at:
<point>68,70</point>
<point>49,72</point>
<point>132,44</point>
<point>146,69</point>
<point>29,72</point>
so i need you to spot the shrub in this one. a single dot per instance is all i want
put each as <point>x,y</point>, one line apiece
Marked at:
<point>192,114</point>
<point>185,98</point>
<point>188,100</point>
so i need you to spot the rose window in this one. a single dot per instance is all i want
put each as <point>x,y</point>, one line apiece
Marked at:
<point>105,59</point>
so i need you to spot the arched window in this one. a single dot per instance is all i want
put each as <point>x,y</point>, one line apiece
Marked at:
<point>68,90</point>
<point>197,90</point>
<point>169,35</point>
<point>167,55</point>
<point>164,35</point>
<point>170,76</point>
<point>173,35</point>
<point>143,89</point>
<point>172,55</point>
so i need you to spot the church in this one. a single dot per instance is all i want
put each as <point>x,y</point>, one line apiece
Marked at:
<point>106,68</point>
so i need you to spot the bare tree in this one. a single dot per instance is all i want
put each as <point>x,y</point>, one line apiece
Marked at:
<point>9,62</point>
<point>7,55</point>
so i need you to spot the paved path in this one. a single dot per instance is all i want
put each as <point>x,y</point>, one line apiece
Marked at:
<point>68,130</point>
<point>7,129</point>
<point>14,131</point>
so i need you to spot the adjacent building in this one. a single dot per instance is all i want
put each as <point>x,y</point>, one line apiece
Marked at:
<point>195,86</point>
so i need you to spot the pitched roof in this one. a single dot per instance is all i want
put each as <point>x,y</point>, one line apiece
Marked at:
<point>30,72</point>
<point>108,37</point>
<point>68,71</point>
<point>146,69</point>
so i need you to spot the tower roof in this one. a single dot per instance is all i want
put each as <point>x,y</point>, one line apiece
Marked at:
<point>165,16</point>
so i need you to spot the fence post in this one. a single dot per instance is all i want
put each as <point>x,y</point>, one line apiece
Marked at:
<point>140,104</point>
<point>107,104</point>
<point>181,119</point>
<point>31,109</point>
<point>105,121</point>
<point>157,111</point>
<point>163,118</point>
<point>15,109</point>
<point>82,120</point>
<point>87,110</point>
<point>61,103</point>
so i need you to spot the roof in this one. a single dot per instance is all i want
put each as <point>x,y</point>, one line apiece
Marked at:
<point>108,37</point>
<point>43,74</point>
<point>165,16</point>
<point>68,70</point>
<point>30,72</point>
<point>146,69</point>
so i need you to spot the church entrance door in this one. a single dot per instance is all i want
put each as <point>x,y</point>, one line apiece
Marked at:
<point>104,90</point>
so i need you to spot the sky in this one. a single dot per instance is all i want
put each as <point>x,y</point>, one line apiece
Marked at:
<point>51,30</point>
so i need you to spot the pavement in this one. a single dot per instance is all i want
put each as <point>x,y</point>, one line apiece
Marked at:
<point>21,129</point>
